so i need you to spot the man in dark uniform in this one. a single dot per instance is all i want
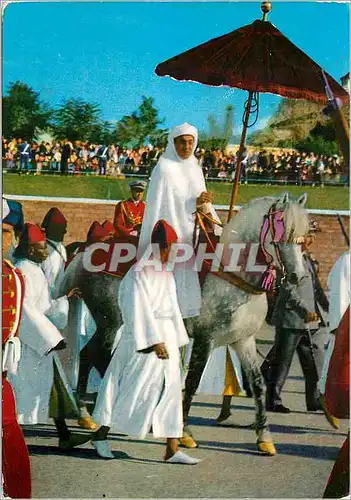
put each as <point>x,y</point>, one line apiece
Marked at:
<point>65,155</point>
<point>103,156</point>
<point>16,479</point>
<point>25,154</point>
<point>299,317</point>
<point>129,213</point>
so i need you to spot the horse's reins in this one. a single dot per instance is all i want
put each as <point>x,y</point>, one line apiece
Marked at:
<point>224,275</point>
<point>268,227</point>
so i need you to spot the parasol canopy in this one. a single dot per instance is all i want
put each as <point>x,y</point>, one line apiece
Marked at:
<point>257,58</point>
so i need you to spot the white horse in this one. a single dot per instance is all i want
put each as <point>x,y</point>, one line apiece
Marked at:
<point>233,310</point>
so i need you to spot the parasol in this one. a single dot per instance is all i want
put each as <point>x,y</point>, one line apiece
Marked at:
<point>256,58</point>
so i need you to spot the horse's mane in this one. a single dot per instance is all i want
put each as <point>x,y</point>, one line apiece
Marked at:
<point>247,222</point>
<point>296,222</point>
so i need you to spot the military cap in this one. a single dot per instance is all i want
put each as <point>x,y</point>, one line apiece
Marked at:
<point>138,185</point>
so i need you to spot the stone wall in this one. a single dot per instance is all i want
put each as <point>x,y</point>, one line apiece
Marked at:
<point>330,242</point>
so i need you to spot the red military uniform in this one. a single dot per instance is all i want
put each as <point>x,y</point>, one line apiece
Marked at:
<point>15,458</point>
<point>128,214</point>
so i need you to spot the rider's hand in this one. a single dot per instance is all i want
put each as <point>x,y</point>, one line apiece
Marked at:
<point>203,198</point>
<point>160,351</point>
<point>311,317</point>
<point>75,292</point>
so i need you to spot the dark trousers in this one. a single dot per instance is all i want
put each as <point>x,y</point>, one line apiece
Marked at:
<point>64,166</point>
<point>102,166</point>
<point>24,161</point>
<point>310,357</point>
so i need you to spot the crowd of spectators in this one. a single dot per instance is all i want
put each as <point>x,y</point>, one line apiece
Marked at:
<point>278,166</point>
<point>78,157</point>
<point>65,157</point>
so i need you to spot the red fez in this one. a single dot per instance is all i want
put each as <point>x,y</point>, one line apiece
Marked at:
<point>32,234</point>
<point>163,234</point>
<point>54,216</point>
<point>97,232</point>
<point>108,226</point>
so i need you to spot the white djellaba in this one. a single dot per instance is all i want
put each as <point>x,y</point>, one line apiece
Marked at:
<point>140,390</point>
<point>338,286</point>
<point>174,186</point>
<point>39,332</point>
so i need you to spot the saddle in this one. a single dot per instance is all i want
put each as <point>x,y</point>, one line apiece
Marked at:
<point>203,233</point>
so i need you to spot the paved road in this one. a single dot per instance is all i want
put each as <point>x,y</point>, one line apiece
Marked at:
<point>231,466</point>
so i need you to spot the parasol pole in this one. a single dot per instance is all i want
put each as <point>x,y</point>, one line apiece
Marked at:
<point>266,7</point>
<point>240,155</point>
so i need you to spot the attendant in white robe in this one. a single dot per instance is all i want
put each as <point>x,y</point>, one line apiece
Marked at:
<point>42,317</point>
<point>142,385</point>
<point>55,226</point>
<point>176,190</point>
<point>338,289</point>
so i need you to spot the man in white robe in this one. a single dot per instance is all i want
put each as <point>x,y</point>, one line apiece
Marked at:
<point>338,287</point>
<point>142,385</point>
<point>176,190</point>
<point>55,226</point>
<point>37,396</point>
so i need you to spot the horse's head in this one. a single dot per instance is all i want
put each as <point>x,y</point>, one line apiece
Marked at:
<point>286,246</point>
<point>278,224</point>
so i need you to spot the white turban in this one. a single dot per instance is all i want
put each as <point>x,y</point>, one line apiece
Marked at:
<point>184,129</point>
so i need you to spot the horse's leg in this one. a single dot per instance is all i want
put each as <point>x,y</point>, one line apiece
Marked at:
<point>225,409</point>
<point>199,356</point>
<point>247,354</point>
<point>97,354</point>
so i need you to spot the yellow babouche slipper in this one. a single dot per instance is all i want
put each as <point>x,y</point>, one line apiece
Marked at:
<point>266,448</point>
<point>87,423</point>
<point>188,442</point>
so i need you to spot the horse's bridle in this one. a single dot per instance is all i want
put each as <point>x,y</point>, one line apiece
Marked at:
<point>273,225</point>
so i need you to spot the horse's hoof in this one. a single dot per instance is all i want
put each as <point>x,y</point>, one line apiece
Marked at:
<point>266,448</point>
<point>188,442</point>
<point>222,419</point>
<point>87,423</point>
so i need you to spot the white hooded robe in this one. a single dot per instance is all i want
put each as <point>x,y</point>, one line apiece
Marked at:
<point>174,186</point>
<point>140,390</point>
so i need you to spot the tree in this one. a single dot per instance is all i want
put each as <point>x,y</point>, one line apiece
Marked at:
<point>101,133</point>
<point>77,119</point>
<point>23,112</point>
<point>228,125</point>
<point>318,146</point>
<point>159,137</point>
<point>214,130</point>
<point>141,126</point>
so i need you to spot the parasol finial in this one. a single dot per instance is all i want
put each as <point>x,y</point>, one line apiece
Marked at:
<point>266,7</point>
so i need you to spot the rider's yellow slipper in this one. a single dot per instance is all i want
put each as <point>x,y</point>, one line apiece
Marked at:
<point>188,442</point>
<point>266,448</point>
